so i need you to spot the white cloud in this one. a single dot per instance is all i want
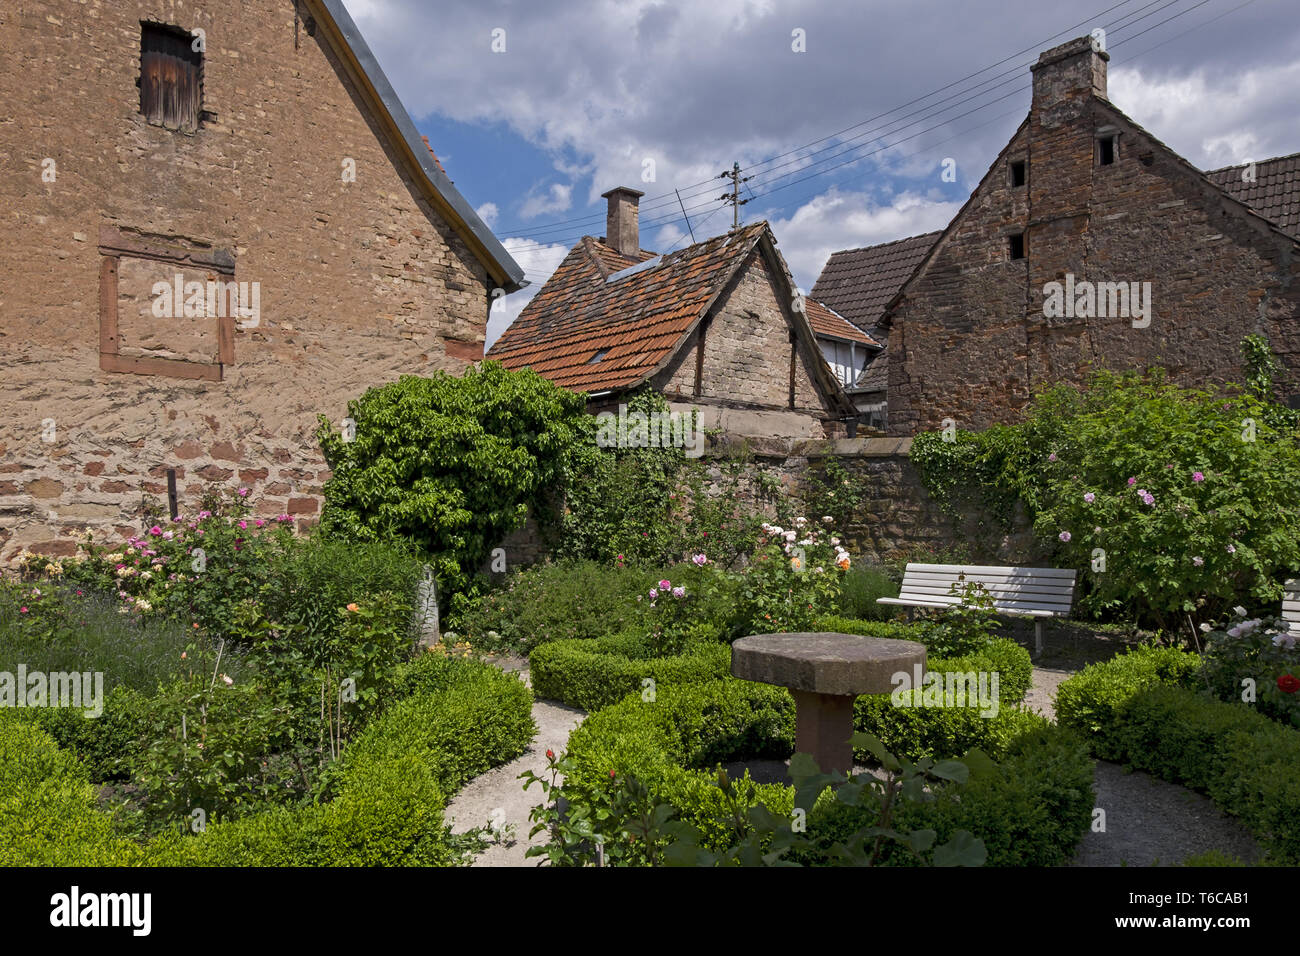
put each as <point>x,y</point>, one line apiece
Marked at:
<point>488,213</point>
<point>838,220</point>
<point>556,199</point>
<point>1214,121</point>
<point>539,261</point>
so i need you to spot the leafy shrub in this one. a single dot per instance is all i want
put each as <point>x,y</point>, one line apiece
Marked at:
<point>1029,809</point>
<point>596,673</point>
<point>104,743</point>
<point>1241,759</point>
<point>1035,807</point>
<point>469,717</point>
<point>1169,501</point>
<point>388,795</point>
<point>59,627</point>
<point>1087,701</point>
<point>552,602</point>
<point>47,805</point>
<point>450,464</point>
<point>859,590</point>
<point>1262,651</point>
<point>793,578</point>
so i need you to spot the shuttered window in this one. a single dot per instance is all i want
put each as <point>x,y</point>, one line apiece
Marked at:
<point>171,78</point>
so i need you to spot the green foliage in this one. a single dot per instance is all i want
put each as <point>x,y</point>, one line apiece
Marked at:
<point>1169,501</point>
<point>832,491</point>
<point>552,602</point>
<point>57,626</point>
<point>860,588</point>
<point>1255,661</point>
<point>1215,858</point>
<point>460,718</point>
<point>908,727</point>
<point>961,628</point>
<point>592,674</point>
<point>1241,759</point>
<point>1087,701</point>
<point>450,464</point>
<point>467,718</point>
<point>793,578</point>
<point>643,777</point>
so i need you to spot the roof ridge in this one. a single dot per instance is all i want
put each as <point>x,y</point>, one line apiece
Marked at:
<point>1257,162</point>
<point>891,242</point>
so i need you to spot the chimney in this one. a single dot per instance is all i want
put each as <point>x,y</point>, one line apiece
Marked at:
<point>1068,74</point>
<point>621,231</point>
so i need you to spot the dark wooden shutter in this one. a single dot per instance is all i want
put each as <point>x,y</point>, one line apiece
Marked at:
<point>171,78</point>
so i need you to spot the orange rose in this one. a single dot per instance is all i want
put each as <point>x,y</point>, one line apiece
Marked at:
<point>353,607</point>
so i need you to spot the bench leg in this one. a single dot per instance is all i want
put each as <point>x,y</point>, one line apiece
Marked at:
<point>1038,637</point>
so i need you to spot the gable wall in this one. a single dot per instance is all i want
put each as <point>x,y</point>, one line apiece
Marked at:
<point>360,281</point>
<point>747,352</point>
<point>974,342</point>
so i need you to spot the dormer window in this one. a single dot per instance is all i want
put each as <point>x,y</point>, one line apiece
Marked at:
<point>600,355</point>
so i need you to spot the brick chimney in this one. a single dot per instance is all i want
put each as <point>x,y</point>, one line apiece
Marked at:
<point>621,229</point>
<point>1068,74</point>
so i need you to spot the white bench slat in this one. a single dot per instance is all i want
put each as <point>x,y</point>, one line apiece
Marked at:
<point>935,587</point>
<point>935,594</point>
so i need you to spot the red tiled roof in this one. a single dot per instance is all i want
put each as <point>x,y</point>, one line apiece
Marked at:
<point>1275,193</point>
<point>858,283</point>
<point>826,321</point>
<point>588,334</point>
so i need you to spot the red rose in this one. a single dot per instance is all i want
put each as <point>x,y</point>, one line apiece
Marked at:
<point>550,754</point>
<point>1288,683</point>
<point>611,773</point>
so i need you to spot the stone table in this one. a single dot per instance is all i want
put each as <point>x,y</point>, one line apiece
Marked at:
<point>825,672</point>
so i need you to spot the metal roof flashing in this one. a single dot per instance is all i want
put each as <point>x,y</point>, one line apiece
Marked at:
<point>374,74</point>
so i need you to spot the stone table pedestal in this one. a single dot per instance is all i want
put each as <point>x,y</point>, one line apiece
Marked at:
<point>825,672</point>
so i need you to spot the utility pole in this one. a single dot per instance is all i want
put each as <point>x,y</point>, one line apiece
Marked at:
<point>733,197</point>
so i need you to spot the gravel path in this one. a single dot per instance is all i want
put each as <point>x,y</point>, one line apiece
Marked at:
<point>501,789</point>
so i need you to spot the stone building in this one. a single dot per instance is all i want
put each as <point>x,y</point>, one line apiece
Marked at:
<point>1088,244</point>
<point>157,151</point>
<point>718,326</point>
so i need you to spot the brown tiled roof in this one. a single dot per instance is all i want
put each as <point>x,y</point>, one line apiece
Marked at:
<point>826,321</point>
<point>875,377</point>
<point>588,334</point>
<point>1275,193</point>
<point>858,283</point>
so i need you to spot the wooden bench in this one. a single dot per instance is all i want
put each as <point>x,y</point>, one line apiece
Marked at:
<point>1028,592</point>
<point>1291,603</point>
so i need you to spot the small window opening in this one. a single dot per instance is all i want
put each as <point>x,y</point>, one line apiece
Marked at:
<point>1016,246</point>
<point>171,77</point>
<point>1017,173</point>
<point>598,356</point>
<point>1106,151</point>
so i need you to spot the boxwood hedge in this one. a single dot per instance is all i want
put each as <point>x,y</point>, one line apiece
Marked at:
<point>1137,711</point>
<point>592,674</point>
<point>388,792</point>
<point>1033,808</point>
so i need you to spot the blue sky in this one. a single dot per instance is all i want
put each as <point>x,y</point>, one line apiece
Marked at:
<point>845,139</point>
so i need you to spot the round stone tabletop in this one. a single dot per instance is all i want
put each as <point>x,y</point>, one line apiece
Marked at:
<point>840,664</point>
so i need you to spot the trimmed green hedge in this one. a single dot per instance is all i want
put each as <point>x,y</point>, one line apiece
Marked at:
<point>592,674</point>
<point>1030,809</point>
<point>1086,702</point>
<point>1009,659</point>
<point>1145,710</point>
<point>390,787</point>
<point>1034,807</point>
<point>1244,761</point>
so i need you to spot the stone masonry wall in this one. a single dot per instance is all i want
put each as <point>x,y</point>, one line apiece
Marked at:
<point>970,341</point>
<point>360,281</point>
